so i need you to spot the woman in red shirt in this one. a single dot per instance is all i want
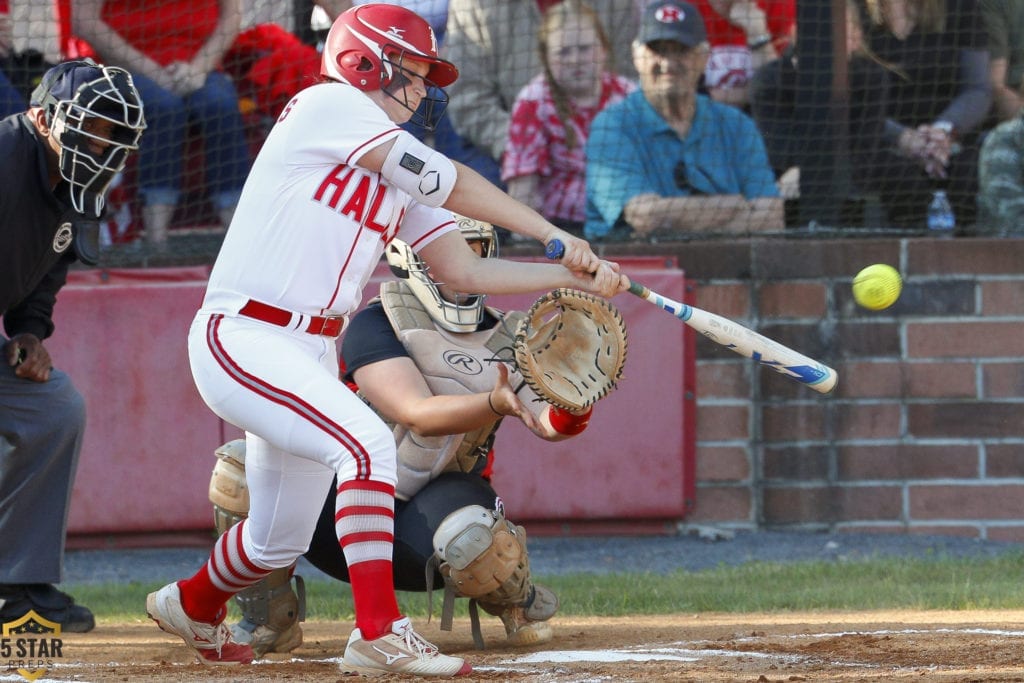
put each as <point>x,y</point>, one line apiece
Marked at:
<point>173,49</point>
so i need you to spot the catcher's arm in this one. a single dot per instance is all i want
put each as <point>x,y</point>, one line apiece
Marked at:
<point>549,422</point>
<point>396,389</point>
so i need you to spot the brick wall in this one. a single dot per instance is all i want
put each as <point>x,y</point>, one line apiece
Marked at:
<point>925,433</point>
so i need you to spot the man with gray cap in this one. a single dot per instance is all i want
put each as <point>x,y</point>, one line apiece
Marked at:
<point>59,159</point>
<point>667,160</point>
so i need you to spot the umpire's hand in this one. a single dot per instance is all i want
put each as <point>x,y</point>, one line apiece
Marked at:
<point>27,355</point>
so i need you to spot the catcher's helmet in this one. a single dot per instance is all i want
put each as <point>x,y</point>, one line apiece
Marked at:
<point>368,45</point>
<point>77,95</point>
<point>463,315</point>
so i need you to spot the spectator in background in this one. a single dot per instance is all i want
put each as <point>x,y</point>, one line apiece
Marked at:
<point>939,95</point>
<point>284,14</point>
<point>743,35</point>
<point>668,159</point>
<point>269,62</point>
<point>434,11</point>
<point>773,103</point>
<point>20,72</point>
<point>544,164</point>
<point>1004,22</point>
<point>11,101</point>
<point>174,49</point>
<point>269,65</point>
<point>1001,180</point>
<point>494,44</point>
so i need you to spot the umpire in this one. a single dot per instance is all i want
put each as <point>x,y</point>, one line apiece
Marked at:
<point>59,159</point>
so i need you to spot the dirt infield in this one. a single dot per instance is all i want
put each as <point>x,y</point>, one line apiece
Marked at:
<point>829,646</point>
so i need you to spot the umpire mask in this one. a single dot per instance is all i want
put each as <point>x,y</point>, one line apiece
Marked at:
<point>467,312</point>
<point>96,114</point>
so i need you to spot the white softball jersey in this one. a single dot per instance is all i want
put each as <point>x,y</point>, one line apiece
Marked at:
<point>311,225</point>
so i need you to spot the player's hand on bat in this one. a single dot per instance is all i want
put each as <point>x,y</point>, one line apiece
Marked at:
<point>29,358</point>
<point>577,255</point>
<point>606,280</point>
<point>507,402</point>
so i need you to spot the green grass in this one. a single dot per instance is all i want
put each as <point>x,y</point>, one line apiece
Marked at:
<point>932,583</point>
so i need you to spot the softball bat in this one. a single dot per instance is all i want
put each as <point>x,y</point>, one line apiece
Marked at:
<point>733,336</point>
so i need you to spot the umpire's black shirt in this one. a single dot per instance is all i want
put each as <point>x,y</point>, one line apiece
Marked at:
<point>35,243</point>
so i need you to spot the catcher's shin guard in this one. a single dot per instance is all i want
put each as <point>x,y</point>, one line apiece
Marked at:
<point>228,490</point>
<point>526,623</point>
<point>482,556</point>
<point>271,612</point>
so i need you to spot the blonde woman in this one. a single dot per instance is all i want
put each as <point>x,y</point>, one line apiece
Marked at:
<point>544,162</point>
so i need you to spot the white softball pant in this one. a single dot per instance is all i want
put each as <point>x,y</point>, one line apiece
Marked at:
<point>302,424</point>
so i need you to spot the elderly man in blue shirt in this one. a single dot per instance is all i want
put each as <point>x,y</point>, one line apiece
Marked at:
<point>666,159</point>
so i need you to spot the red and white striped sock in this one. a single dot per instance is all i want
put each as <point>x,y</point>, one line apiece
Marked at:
<point>228,571</point>
<point>365,523</point>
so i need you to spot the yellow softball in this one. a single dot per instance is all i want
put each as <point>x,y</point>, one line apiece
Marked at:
<point>877,287</point>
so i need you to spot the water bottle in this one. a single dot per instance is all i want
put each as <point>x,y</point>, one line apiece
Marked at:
<point>941,220</point>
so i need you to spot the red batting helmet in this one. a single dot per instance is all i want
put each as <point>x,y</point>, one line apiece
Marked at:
<point>367,41</point>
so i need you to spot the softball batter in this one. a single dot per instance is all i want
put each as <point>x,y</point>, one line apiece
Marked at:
<point>334,183</point>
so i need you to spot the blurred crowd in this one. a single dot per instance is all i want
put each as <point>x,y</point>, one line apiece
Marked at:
<point>615,119</point>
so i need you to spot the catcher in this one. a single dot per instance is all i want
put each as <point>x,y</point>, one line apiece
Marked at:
<point>415,353</point>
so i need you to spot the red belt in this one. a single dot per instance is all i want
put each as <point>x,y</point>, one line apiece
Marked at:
<point>326,326</point>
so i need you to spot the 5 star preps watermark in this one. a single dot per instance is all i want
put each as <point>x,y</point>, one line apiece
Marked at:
<point>30,644</point>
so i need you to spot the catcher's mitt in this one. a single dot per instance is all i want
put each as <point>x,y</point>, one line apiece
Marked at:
<point>571,348</point>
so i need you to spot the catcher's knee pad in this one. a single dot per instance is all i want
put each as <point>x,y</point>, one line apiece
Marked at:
<point>271,612</point>
<point>483,556</point>
<point>228,490</point>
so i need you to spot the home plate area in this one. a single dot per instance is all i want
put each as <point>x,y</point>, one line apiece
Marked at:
<point>972,646</point>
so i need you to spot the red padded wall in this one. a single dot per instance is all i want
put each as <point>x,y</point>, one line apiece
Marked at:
<point>148,448</point>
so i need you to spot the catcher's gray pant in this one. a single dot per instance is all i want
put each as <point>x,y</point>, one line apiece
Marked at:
<point>41,426</point>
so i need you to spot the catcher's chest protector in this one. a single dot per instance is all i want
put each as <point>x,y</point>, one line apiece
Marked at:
<point>452,364</point>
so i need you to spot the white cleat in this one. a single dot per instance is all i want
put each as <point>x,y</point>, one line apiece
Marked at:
<point>212,643</point>
<point>403,651</point>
